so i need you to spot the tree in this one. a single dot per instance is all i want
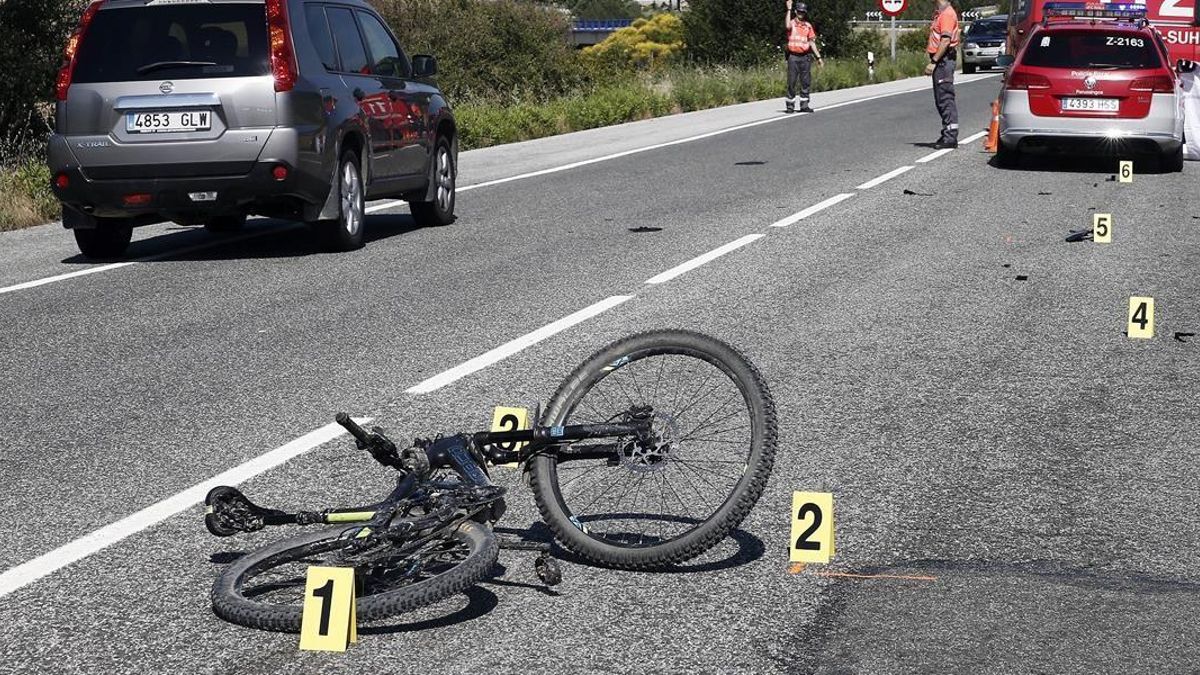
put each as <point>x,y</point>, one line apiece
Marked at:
<point>752,30</point>
<point>34,33</point>
<point>605,9</point>
<point>645,44</point>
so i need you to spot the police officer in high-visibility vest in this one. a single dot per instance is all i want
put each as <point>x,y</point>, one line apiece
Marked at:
<point>801,49</point>
<point>943,53</point>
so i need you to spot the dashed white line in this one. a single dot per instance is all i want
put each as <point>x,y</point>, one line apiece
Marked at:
<point>815,208</point>
<point>48,563</point>
<point>885,177</point>
<point>513,346</point>
<point>701,259</point>
<point>934,155</point>
<point>973,137</point>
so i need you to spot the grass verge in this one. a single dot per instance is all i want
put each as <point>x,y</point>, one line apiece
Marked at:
<point>25,196</point>
<point>672,91</point>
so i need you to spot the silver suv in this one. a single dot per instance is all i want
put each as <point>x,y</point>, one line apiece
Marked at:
<point>204,111</point>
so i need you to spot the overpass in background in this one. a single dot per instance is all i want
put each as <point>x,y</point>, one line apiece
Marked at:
<point>587,32</point>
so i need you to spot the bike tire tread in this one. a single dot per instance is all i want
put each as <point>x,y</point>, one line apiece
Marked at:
<point>674,552</point>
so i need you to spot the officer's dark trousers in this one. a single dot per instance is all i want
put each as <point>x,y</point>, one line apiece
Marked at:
<point>943,97</point>
<point>799,73</point>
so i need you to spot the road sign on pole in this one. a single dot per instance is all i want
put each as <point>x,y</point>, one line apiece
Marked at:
<point>893,8</point>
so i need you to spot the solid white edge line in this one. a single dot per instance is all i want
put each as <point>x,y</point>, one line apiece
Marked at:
<point>150,258</point>
<point>62,277</point>
<point>934,155</point>
<point>973,137</point>
<point>885,177</point>
<point>701,259</point>
<point>28,572</point>
<point>513,346</point>
<point>815,208</point>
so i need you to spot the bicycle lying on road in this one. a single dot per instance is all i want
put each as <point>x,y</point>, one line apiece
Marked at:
<point>650,452</point>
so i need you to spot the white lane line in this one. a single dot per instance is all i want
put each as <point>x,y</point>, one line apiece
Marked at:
<point>150,258</point>
<point>513,346</point>
<point>701,259</point>
<point>48,563</point>
<point>815,208</point>
<point>884,178</point>
<point>973,137</point>
<point>934,155</point>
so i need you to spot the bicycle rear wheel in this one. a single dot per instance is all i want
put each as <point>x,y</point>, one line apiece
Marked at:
<point>265,588</point>
<point>651,506</point>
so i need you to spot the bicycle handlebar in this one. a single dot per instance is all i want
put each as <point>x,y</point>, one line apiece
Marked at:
<point>359,434</point>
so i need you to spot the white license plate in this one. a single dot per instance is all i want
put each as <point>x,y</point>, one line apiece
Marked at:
<point>1092,104</point>
<point>168,122</point>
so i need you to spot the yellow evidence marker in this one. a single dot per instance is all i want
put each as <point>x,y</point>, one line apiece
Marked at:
<point>328,623</point>
<point>1125,173</point>
<point>812,527</point>
<point>1141,318</point>
<point>510,419</point>
<point>1102,228</point>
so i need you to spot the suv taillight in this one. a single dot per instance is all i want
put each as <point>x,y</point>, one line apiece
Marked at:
<point>1022,80</point>
<point>63,83</point>
<point>283,57</point>
<point>1159,84</point>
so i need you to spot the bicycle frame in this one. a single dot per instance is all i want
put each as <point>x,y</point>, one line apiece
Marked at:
<point>458,453</point>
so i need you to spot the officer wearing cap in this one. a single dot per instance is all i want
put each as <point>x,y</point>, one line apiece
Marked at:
<point>801,48</point>
<point>943,52</point>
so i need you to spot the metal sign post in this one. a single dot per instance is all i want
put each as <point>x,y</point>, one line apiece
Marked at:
<point>893,8</point>
<point>893,38</point>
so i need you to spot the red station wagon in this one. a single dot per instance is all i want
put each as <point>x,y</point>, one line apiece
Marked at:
<point>1092,79</point>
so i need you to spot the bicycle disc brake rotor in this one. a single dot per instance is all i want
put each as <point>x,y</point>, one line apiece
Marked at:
<point>653,454</point>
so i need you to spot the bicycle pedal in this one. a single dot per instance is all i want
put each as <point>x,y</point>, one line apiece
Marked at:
<point>548,570</point>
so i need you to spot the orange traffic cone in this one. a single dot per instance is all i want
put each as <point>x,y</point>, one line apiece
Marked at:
<point>993,139</point>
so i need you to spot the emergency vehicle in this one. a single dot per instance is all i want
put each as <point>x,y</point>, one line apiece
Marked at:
<point>1177,21</point>
<point>1097,79</point>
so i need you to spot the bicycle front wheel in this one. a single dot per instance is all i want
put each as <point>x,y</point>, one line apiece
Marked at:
<point>265,588</point>
<point>653,504</point>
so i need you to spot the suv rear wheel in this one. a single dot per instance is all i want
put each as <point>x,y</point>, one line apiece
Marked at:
<point>345,233</point>
<point>98,237</point>
<point>440,211</point>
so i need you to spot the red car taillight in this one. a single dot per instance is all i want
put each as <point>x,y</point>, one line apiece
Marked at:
<point>283,57</point>
<point>68,65</point>
<point>1022,80</point>
<point>1159,84</point>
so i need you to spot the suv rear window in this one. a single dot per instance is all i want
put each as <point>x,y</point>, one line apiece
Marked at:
<point>1091,49</point>
<point>175,42</point>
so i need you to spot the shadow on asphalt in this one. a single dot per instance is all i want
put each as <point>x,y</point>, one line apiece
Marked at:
<point>480,602</point>
<point>269,239</point>
<point>1098,165</point>
<point>746,548</point>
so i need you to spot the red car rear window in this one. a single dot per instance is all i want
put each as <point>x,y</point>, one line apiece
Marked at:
<point>1091,49</point>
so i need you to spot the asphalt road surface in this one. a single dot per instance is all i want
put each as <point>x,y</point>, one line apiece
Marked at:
<point>1013,476</point>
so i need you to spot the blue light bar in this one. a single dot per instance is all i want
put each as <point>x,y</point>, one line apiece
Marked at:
<point>1094,10</point>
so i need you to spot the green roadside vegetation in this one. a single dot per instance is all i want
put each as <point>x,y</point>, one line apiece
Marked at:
<point>507,67</point>
<point>672,91</point>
